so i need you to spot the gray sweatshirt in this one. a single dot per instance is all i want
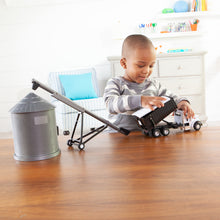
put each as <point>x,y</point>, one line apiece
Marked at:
<point>123,97</point>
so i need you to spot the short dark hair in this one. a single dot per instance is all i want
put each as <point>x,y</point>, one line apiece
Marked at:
<point>133,41</point>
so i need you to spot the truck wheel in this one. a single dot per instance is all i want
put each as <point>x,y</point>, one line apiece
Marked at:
<point>145,132</point>
<point>156,132</point>
<point>165,131</point>
<point>197,125</point>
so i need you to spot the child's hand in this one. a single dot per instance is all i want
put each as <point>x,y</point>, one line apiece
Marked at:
<point>186,108</point>
<point>151,101</point>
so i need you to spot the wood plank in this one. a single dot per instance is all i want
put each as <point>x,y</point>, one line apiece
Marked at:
<point>117,177</point>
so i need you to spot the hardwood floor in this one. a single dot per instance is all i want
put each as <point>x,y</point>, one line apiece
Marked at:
<point>117,177</point>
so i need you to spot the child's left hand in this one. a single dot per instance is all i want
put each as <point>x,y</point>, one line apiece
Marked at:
<point>186,108</point>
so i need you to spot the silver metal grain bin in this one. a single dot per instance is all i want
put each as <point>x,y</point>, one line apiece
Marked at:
<point>34,129</point>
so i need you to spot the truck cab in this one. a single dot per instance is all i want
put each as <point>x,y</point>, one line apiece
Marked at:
<point>186,124</point>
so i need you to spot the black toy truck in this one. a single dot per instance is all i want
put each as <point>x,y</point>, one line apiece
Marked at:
<point>149,120</point>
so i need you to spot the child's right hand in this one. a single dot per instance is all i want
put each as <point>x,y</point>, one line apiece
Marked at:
<point>151,101</point>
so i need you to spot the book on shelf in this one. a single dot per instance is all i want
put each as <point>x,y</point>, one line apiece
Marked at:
<point>199,5</point>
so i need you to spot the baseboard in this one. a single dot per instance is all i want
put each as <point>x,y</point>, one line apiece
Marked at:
<point>6,135</point>
<point>213,123</point>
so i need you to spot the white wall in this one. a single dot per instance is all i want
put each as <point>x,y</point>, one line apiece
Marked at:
<point>36,39</point>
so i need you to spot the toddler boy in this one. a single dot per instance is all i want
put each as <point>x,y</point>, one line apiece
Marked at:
<point>125,94</point>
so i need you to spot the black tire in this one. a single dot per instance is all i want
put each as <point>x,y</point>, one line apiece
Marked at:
<point>156,132</point>
<point>165,131</point>
<point>197,125</point>
<point>70,143</point>
<point>81,146</point>
<point>145,132</point>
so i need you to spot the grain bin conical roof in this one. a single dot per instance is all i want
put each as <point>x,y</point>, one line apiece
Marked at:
<point>32,103</point>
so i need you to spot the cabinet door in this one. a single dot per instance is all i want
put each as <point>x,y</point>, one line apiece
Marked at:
<point>183,85</point>
<point>180,66</point>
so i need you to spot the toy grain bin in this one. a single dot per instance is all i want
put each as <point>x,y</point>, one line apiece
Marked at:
<point>34,129</point>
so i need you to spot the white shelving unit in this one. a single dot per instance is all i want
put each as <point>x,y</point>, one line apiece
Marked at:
<point>162,18</point>
<point>181,16</point>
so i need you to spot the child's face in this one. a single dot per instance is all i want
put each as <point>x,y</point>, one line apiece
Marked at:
<point>139,65</point>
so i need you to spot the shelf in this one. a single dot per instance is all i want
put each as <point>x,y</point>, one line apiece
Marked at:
<point>116,58</point>
<point>175,35</point>
<point>188,15</point>
<point>164,18</point>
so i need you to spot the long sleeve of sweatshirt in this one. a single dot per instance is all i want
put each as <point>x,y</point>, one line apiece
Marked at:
<point>121,96</point>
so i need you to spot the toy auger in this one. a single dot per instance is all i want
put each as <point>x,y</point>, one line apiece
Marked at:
<point>79,141</point>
